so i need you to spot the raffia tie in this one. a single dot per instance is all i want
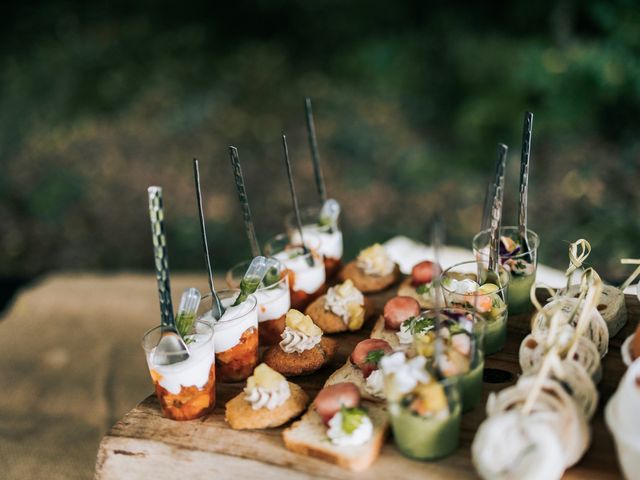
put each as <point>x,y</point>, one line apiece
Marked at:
<point>634,275</point>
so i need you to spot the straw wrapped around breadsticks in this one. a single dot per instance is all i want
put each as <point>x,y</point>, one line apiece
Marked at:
<point>528,421</point>
<point>611,305</point>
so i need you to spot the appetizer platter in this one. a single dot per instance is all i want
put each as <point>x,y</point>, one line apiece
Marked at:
<point>311,365</point>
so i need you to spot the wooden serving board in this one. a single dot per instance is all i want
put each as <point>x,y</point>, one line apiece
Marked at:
<point>143,444</point>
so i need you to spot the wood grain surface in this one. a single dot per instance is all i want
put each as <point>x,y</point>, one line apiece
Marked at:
<point>145,445</point>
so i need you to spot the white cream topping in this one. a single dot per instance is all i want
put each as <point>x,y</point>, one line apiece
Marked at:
<point>404,335</point>
<point>340,297</point>
<point>233,323</point>
<point>260,397</point>
<point>294,341</point>
<point>273,302</point>
<point>307,278</point>
<point>405,374</point>
<point>331,245</point>
<point>375,261</point>
<point>463,287</point>
<point>374,385</point>
<point>362,434</point>
<point>192,372</point>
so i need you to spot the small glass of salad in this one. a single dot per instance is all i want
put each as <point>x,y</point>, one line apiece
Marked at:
<point>424,411</point>
<point>465,285</point>
<point>516,259</point>
<point>460,343</point>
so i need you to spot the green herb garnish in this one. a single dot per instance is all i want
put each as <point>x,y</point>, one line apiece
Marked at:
<point>271,277</point>
<point>351,418</point>
<point>374,356</point>
<point>419,325</point>
<point>184,324</point>
<point>424,288</point>
<point>247,287</point>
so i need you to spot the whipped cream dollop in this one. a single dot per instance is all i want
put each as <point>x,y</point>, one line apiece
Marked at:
<point>300,333</point>
<point>374,384</point>
<point>261,397</point>
<point>375,261</point>
<point>404,374</point>
<point>338,436</point>
<point>294,341</point>
<point>342,298</point>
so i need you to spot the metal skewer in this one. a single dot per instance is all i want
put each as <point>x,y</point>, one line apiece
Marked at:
<point>244,202</point>
<point>496,217</point>
<point>216,308</point>
<point>294,199</point>
<point>527,131</point>
<point>171,348</point>
<point>315,153</point>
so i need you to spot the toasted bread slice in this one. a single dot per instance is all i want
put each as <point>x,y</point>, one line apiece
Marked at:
<point>294,364</point>
<point>380,331</point>
<point>328,321</point>
<point>350,373</point>
<point>308,436</point>
<point>407,290</point>
<point>240,415</point>
<point>368,283</point>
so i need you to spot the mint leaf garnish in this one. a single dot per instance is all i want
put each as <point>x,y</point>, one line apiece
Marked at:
<point>351,418</point>
<point>374,356</point>
<point>184,323</point>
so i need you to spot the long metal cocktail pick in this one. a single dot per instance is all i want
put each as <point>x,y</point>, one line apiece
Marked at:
<point>294,199</point>
<point>216,307</point>
<point>436,244</point>
<point>527,131</point>
<point>171,347</point>
<point>496,216</point>
<point>315,153</point>
<point>486,209</point>
<point>244,202</point>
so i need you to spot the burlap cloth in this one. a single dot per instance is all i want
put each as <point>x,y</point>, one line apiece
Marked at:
<point>71,364</point>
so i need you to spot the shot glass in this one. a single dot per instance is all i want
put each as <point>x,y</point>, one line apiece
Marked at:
<point>460,351</point>
<point>465,285</point>
<point>186,390</point>
<point>235,335</point>
<point>274,301</point>
<point>331,246</point>
<point>306,271</point>
<point>424,436</point>
<point>522,266</point>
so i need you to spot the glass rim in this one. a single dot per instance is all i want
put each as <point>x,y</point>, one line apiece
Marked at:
<point>198,345</point>
<point>281,268</point>
<point>532,236</point>
<point>312,211</point>
<point>477,318</point>
<point>233,291</point>
<point>443,275</point>
<point>314,250</point>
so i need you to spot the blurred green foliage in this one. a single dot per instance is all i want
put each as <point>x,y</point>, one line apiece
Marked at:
<point>101,99</point>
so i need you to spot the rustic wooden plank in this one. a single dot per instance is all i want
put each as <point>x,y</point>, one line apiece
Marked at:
<point>144,444</point>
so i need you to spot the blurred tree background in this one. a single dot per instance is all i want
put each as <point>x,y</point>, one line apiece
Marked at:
<point>98,100</point>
